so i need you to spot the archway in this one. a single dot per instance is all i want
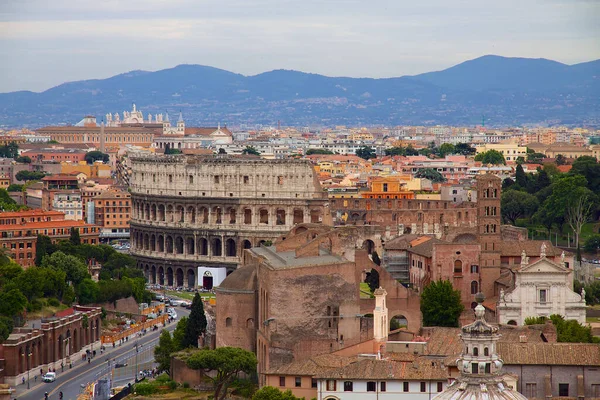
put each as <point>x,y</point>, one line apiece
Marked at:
<point>161,275</point>
<point>61,349</point>
<point>153,212</point>
<point>153,274</point>
<point>179,278</point>
<point>512,322</point>
<point>161,243</point>
<point>203,247</point>
<point>315,216</point>
<point>191,217</point>
<point>146,242</point>
<point>298,216</point>
<point>169,245</point>
<point>280,217</point>
<point>179,245</point>
<point>247,244</point>
<point>230,248</point>
<point>190,246</point>
<point>203,212</point>
<point>169,276</point>
<point>75,341</point>
<point>369,246</point>
<point>398,321</point>
<point>191,278</point>
<point>152,242</point>
<point>300,230</point>
<point>179,214</point>
<point>207,280</point>
<point>216,247</point>
<point>161,213</point>
<point>232,216</point>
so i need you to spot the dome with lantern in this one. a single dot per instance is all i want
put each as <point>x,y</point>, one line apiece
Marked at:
<point>480,366</point>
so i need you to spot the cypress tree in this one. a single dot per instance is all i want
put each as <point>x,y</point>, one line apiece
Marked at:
<point>74,238</point>
<point>196,323</point>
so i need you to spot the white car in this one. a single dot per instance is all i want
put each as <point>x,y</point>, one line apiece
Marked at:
<point>49,377</point>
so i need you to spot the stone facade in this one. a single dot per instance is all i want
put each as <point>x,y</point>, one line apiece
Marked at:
<point>191,211</point>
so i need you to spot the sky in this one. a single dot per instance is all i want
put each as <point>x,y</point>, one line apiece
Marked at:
<point>44,43</point>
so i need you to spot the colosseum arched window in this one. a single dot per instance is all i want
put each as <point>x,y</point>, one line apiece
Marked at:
<point>247,216</point>
<point>190,244</point>
<point>153,212</point>
<point>204,214</point>
<point>218,215</point>
<point>280,217</point>
<point>203,246</point>
<point>216,247</point>
<point>263,216</point>
<point>152,242</point>
<point>230,248</point>
<point>169,213</point>
<point>298,216</point>
<point>179,245</point>
<point>161,213</point>
<point>191,215</point>
<point>169,244</point>
<point>179,215</point>
<point>232,215</point>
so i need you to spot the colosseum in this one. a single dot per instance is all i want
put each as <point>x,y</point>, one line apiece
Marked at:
<point>194,215</point>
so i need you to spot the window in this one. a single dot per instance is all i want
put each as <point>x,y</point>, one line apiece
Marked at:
<point>382,387</point>
<point>474,287</point>
<point>423,387</point>
<point>475,351</point>
<point>440,386</point>
<point>543,293</point>
<point>385,187</point>
<point>530,390</point>
<point>246,179</point>
<point>371,386</point>
<point>474,269</point>
<point>348,386</point>
<point>191,177</point>
<point>170,178</point>
<point>217,179</point>
<point>227,321</point>
<point>405,386</point>
<point>486,351</point>
<point>595,390</point>
<point>313,383</point>
<point>297,381</point>
<point>563,389</point>
<point>282,381</point>
<point>331,385</point>
<point>458,267</point>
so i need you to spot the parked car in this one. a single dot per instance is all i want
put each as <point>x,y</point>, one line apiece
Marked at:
<point>49,377</point>
<point>120,365</point>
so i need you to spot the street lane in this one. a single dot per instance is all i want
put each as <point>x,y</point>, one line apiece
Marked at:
<point>70,381</point>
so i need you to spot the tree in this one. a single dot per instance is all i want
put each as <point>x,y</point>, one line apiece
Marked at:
<point>372,279</point>
<point>87,291</point>
<point>520,160</point>
<point>196,323</point>
<point>222,365</point>
<point>507,183</point>
<point>564,189</point>
<point>517,204</point>
<point>169,150</point>
<point>74,238</point>
<point>465,149</point>
<point>43,247</point>
<point>222,151</point>
<point>31,282</point>
<point>15,187</point>
<point>75,269</point>
<point>571,331</point>
<point>445,149</point>
<point>521,177</point>
<point>310,152</point>
<point>251,150</point>
<point>560,159</point>
<point>592,244</point>
<point>395,151</point>
<point>366,152</point>
<point>579,210</point>
<point>163,351</point>
<point>9,270</point>
<point>23,159</point>
<point>271,393</point>
<point>441,304</point>
<point>95,155</point>
<point>431,174</point>
<point>29,175</point>
<point>179,334</point>
<point>535,158</point>
<point>491,157</point>
<point>12,303</point>
<point>6,327</point>
<point>11,150</point>
<point>589,168</point>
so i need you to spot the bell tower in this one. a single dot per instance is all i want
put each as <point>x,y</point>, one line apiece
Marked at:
<point>489,189</point>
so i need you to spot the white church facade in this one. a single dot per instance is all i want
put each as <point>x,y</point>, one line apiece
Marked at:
<point>542,288</point>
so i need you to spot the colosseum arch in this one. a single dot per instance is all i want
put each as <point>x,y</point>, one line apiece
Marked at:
<point>153,274</point>
<point>169,213</point>
<point>315,216</point>
<point>203,212</point>
<point>147,211</point>
<point>191,215</point>
<point>217,215</point>
<point>217,247</point>
<point>203,247</point>
<point>153,212</point>
<point>190,247</point>
<point>161,213</point>
<point>146,271</point>
<point>298,216</point>
<point>169,276</point>
<point>179,214</point>
<point>246,244</point>
<point>161,275</point>
<point>169,244</point>
<point>247,216</point>
<point>232,215</point>
<point>179,277</point>
<point>230,248</point>
<point>153,242</point>
<point>179,245</point>
<point>280,217</point>
<point>146,242</point>
<point>161,243</point>
<point>191,278</point>
<point>263,216</point>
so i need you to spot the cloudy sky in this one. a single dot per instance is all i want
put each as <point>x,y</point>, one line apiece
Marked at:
<point>46,42</point>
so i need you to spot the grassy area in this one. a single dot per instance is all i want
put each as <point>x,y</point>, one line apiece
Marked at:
<point>188,295</point>
<point>592,319</point>
<point>185,394</point>
<point>46,311</point>
<point>365,291</point>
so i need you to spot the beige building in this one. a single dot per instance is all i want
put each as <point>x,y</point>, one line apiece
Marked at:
<point>510,151</point>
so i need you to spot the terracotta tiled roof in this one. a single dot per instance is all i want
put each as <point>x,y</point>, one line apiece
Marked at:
<point>29,213</point>
<point>400,243</point>
<point>425,249</point>
<point>532,248</point>
<point>61,177</point>
<point>387,369</point>
<point>313,366</point>
<point>549,353</point>
<point>45,224</point>
<point>205,131</point>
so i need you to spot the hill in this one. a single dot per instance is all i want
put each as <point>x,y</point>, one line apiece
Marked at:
<point>508,91</point>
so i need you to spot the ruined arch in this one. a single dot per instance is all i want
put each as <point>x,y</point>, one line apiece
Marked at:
<point>203,247</point>
<point>298,216</point>
<point>179,277</point>
<point>169,213</point>
<point>179,245</point>
<point>161,275</point>
<point>179,214</point>
<point>153,274</point>
<point>153,212</point>
<point>398,321</point>
<point>153,242</point>
<point>146,242</point>
<point>191,278</point>
<point>232,215</point>
<point>161,213</point>
<point>263,216</point>
<point>280,217</point>
<point>315,216</point>
<point>203,214</point>
<point>369,245</point>
<point>161,243</point>
<point>190,246</point>
<point>169,244</point>
<point>230,248</point>
<point>191,215</point>
<point>246,244</point>
<point>169,276</point>
<point>217,247</point>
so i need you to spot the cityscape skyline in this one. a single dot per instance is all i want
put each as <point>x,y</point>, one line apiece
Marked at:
<point>266,35</point>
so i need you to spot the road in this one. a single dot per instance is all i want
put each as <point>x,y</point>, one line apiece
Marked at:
<point>71,380</point>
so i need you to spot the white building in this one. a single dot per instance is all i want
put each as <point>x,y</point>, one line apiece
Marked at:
<point>209,277</point>
<point>541,289</point>
<point>70,204</point>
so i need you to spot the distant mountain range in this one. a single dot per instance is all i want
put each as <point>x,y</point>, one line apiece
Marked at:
<point>504,91</point>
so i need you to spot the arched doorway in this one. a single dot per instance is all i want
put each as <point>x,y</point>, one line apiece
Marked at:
<point>512,322</point>
<point>207,280</point>
<point>369,246</point>
<point>169,276</point>
<point>191,278</point>
<point>153,274</point>
<point>398,321</point>
<point>216,248</point>
<point>230,248</point>
<point>203,247</point>
<point>247,244</point>
<point>179,278</point>
<point>161,275</point>
<point>179,245</point>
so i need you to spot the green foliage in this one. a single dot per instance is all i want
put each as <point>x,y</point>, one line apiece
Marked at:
<point>589,168</point>
<point>535,320</point>
<point>29,175</point>
<point>222,365</point>
<point>43,247</point>
<point>15,187</point>
<point>521,177</point>
<point>571,331</point>
<point>592,244</point>
<point>465,149</point>
<point>491,157</point>
<point>372,279</point>
<point>560,159</point>
<point>169,150</point>
<point>441,304</point>
<point>7,203</point>
<point>446,149</point>
<point>517,204</point>
<point>87,291</point>
<point>431,174</point>
<point>366,152</point>
<point>196,323</point>
<point>271,393</point>
<point>9,271</point>
<point>535,158</point>
<point>6,327</point>
<point>310,152</point>
<point>163,351</point>
<point>12,303</point>
<point>75,270</point>
<point>179,334</point>
<point>74,237</point>
<point>11,150</point>
<point>23,159</point>
<point>251,150</point>
<point>93,156</point>
<point>592,293</point>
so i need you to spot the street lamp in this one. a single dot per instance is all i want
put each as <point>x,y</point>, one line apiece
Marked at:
<point>136,362</point>
<point>28,367</point>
